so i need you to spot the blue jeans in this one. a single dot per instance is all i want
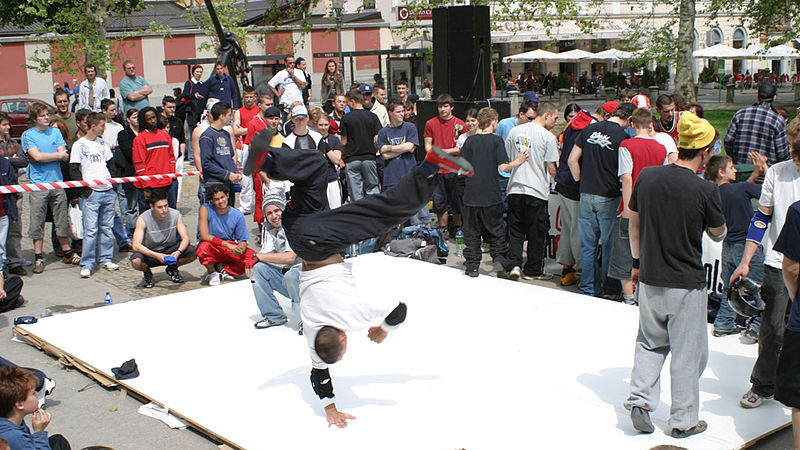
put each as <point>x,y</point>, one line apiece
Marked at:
<point>3,236</point>
<point>172,197</point>
<point>128,207</point>
<point>596,218</point>
<point>266,280</point>
<point>731,255</point>
<point>362,179</point>
<point>98,220</point>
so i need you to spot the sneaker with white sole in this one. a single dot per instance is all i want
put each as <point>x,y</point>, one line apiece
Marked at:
<point>541,277</point>
<point>750,337</point>
<point>225,276</point>
<point>515,273</point>
<point>110,266</point>
<point>752,400</point>
<point>86,273</point>
<point>214,279</point>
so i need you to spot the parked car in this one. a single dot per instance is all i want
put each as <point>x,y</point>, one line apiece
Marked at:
<point>17,110</point>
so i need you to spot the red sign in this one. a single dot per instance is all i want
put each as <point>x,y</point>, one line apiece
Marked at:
<point>404,13</point>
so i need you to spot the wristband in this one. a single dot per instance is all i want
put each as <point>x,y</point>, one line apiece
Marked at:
<point>216,241</point>
<point>635,263</point>
<point>758,226</point>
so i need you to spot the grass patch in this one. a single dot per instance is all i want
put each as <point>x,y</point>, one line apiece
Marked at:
<point>720,118</point>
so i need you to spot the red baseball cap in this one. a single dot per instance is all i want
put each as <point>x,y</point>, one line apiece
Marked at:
<point>610,107</point>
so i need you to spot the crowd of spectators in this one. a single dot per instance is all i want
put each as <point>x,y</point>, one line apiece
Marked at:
<point>610,170</point>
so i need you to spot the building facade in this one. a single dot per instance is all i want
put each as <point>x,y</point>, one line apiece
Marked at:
<point>367,25</point>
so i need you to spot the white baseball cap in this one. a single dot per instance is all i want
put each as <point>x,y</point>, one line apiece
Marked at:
<point>299,110</point>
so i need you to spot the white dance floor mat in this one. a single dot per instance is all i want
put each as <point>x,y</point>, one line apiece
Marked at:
<point>479,363</point>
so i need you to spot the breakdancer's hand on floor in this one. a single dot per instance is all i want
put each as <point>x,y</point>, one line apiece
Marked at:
<point>336,417</point>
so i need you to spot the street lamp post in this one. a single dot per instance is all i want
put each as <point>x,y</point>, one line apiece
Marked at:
<point>338,6</point>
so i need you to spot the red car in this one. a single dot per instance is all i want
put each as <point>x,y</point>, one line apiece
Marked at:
<point>17,110</point>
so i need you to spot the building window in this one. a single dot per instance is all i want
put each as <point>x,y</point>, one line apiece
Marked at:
<point>739,38</point>
<point>369,4</point>
<point>714,37</point>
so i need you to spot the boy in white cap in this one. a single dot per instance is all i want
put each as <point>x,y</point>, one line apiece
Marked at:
<point>275,270</point>
<point>672,298</point>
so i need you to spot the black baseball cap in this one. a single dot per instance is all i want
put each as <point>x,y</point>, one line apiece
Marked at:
<point>272,111</point>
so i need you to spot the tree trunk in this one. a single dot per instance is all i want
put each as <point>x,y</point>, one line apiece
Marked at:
<point>684,80</point>
<point>96,51</point>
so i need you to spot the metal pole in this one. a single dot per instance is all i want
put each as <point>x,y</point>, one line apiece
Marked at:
<point>339,39</point>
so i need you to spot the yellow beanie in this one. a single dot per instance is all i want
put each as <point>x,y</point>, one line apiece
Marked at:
<point>694,132</point>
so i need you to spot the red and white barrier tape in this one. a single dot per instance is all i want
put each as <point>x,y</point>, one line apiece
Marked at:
<point>33,187</point>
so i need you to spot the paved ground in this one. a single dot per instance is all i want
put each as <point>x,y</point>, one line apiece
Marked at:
<point>91,415</point>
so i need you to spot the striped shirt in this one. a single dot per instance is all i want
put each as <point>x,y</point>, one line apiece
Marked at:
<point>757,128</point>
<point>153,155</point>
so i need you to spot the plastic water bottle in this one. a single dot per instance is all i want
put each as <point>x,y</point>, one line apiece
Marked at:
<point>459,243</point>
<point>107,299</point>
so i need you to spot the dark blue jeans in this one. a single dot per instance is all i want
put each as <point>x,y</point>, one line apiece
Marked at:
<point>731,255</point>
<point>770,335</point>
<point>596,218</point>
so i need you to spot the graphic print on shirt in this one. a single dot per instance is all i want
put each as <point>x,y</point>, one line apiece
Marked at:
<point>600,140</point>
<point>397,140</point>
<point>93,157</point>
<point>458,128</point>
<point>222,147</point>
<point>524,144</point>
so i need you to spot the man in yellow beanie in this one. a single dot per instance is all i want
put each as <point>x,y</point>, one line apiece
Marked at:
<point>670,209</point>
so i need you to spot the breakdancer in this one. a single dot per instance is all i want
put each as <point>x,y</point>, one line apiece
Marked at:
<point>330,301</point>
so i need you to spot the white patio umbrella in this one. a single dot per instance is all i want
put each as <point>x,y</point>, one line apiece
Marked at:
<point>574,55</point>
<point>721,51</point>
<point>777,52</point>
<point>612,54</point>
<point>531,56</point>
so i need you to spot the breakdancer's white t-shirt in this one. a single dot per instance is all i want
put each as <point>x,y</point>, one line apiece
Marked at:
<point>329,296</point>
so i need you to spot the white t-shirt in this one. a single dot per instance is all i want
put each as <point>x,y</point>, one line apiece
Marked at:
<point>781,188</point>
<point>379,110</point>
<point>625,161</point>
<point>667,141</point>
<point>331,297</point>
<point>111,133</point>
<point>100,93</point>
<point>273,240</point>
<point>92,156</point>
<point>291,93</point>
<point>531,178</point>
<point>462,138</point>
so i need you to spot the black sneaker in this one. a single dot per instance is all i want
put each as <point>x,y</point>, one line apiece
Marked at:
<point>17,270</point>
<point>640,418</point>
<point>720,332</point>
<point>267,323</point>
<point>147,279</point>
<point>472,272</point>
<point>697,429</point>
<point>174,274</point>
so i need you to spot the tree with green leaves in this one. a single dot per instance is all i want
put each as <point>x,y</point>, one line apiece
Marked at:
<point>778,18</point>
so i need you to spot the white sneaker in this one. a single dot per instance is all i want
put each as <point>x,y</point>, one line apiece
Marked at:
<point>225,276</point>
<point>515,273</point>
<point>86,273</point>
<point>46,390</point>
<point>110,266</point>
<point>214,279</point>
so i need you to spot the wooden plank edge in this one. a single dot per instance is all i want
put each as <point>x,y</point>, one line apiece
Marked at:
<point>109,381</point>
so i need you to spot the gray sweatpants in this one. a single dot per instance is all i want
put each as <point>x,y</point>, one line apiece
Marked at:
<point>569,242</point>
<point>674,320</point>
